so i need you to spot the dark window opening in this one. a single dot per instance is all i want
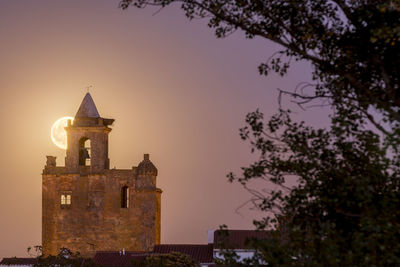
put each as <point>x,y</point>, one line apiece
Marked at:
<point>84,152</point>
<point>125,197</point>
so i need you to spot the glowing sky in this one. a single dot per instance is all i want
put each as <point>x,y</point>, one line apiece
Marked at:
<point>175,91</point>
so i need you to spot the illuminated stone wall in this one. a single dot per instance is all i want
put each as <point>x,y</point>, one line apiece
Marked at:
<point>94,220</point>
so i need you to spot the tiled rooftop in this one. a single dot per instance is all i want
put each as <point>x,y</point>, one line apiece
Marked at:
<point>199,253</point>
<point>237,239</point>
<point>18,261</point>
<point>117,258</point>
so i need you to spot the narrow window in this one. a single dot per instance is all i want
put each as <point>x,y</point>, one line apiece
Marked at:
<point>84,152</point>
<point>125,197</point>
<point>65,200</point>
<point>68,200</point>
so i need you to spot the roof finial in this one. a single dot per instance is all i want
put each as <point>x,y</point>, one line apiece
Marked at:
<point>88,87</point>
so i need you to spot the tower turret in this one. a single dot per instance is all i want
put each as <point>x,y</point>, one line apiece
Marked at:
<point>87,140</point>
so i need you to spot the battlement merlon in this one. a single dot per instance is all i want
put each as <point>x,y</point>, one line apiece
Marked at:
<point>145,170</point>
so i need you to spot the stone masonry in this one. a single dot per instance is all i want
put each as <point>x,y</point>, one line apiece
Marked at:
<point>87,207</point>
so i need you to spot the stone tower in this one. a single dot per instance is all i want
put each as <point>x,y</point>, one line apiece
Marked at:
<point>87,207</point>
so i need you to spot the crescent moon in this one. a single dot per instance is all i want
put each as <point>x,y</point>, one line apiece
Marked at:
<point>58,133</point>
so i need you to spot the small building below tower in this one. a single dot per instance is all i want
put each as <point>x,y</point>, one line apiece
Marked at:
<point>87,207</point>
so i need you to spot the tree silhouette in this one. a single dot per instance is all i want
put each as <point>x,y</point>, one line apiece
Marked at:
<point>343,209</point>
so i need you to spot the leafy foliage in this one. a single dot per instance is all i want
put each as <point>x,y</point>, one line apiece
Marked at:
<point>35,251</point>
<point>175,259</point>
<point>342,209</point>
<point>352,45</point>
<point>64,258</point>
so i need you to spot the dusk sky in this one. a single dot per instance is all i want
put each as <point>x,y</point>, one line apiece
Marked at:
<point>175,92</point>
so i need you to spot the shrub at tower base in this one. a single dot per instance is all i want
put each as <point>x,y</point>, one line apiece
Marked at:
<point>343,209</point>
<point>173,259</point>
<point>65,258</point>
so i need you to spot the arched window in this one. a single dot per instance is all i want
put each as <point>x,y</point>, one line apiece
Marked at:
<point>68,200</point>
<point>125,197</point>
<point>84,152</point>
<point>65,199</point>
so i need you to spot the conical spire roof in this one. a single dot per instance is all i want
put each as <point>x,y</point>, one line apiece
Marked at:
<point>87,108</point>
